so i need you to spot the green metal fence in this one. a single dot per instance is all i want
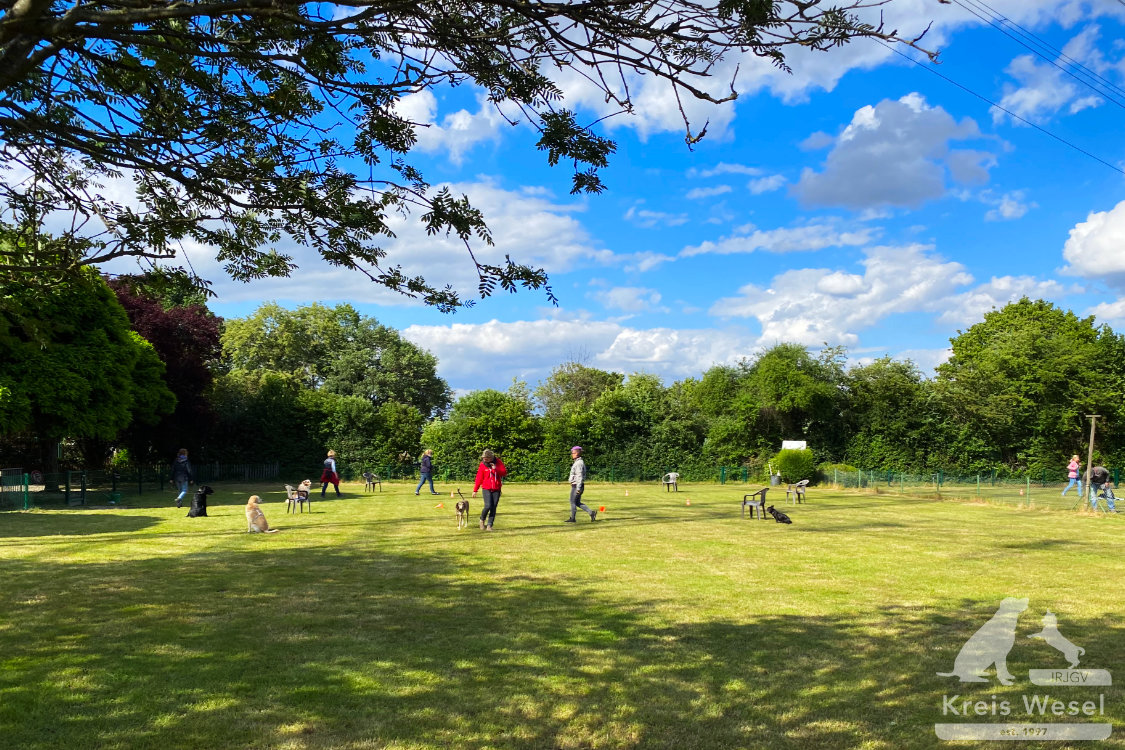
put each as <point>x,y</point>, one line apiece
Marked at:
<point>14,489</point>
<point>1029,490</point>
<point>108,488</point>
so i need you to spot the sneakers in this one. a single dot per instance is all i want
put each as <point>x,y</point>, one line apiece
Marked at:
<point>415,494</point>
<point>593,515</point>
<point>179,502</point>
<point>482,526</point>
<point>433,493</point>
<point>488,528</point>
<point>569,520</point>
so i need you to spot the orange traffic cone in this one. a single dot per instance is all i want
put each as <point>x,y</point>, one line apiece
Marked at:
<point>601,509</point>
<point>689,501</point>
<point>440,505</point>
<point>626,493</point>
<point>451,494</point>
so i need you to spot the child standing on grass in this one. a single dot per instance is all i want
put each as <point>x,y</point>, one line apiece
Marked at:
<point>1072,474</point>
<point>578,485</point>
<point>490,476</point>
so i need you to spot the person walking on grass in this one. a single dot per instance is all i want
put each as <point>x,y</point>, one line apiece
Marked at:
<point>427,472</point>
<point>1072,474</point>
<point>330,475</point>
<point>578,485</point>
<point>182,475</point>
<point>1099,483</point>
<point>490,476</point>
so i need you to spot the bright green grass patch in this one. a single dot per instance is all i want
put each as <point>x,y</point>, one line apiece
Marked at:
<point>373,623</point>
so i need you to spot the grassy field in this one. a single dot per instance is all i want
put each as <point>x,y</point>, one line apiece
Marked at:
<point>373,623</point>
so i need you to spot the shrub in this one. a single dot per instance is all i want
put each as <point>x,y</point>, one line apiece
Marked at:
<point>795,465</point>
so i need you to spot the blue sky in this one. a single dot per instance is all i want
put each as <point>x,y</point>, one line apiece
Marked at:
<point>861,200</point>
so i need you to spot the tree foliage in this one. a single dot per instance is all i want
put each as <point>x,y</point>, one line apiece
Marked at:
<point>187,340</point>
<point>1019,385</point>
<point>248,126</point>
<point>339,350</point>
<point>73,366</point>
<point>501,422</point>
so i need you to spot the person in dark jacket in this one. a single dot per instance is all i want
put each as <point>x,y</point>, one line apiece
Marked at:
<point>490,476</point>
<point>427,472</point>
<point>1099,483</point>
<point>182,475</point>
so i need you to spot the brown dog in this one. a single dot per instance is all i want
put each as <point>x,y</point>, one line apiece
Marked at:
<point>462,507</point>
<point>255,518</point>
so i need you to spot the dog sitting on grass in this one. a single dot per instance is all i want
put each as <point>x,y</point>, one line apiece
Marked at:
<point>778,515</point>
<point>199,502</point>
<point>255,518</point>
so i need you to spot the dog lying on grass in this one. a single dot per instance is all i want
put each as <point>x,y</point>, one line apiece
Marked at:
<point>778,515</point>
<point>255,518</point>
<point>199,502</point>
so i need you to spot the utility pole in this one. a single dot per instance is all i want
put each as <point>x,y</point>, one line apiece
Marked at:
<point>1090,456</point>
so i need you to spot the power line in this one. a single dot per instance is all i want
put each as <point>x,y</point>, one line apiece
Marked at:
<point>1011,114</point>
<point>991,20</point>
<point>1039,40</point>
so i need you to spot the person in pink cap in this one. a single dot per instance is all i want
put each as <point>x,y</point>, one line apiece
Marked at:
<point>577,485</point>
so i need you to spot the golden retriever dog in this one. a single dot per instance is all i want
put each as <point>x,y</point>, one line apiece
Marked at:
<point>255,518</point>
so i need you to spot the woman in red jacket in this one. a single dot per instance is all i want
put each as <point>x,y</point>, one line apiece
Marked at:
<point>490,475</point>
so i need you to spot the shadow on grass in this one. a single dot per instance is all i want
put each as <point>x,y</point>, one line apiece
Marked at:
<point>19,524</point>
<point>285,648</point>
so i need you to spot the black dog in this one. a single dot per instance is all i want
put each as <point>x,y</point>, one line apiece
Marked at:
<point>199,502</point>
<point>778,515</point>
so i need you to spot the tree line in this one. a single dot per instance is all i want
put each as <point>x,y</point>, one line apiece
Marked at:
<point>138,366</point>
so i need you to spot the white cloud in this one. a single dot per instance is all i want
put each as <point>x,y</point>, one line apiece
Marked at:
<point>711,192</point>
<point>724,168</point>
<point>1094,248</point>
<point>644,261</point>
<point>815,305</point>
<point>765,184</point>
<point>748,239</point>
<point>630,299</point>
<point>1008,206</point>
<point>489,355</point>
<point>530,225</point>
<point>969,307</point>
<point>1043,91</point>
<point>895,153</point>
<point>1112,313</point>
<point>458,131</point>
<point>1047,88</point>
<point>642,217</point>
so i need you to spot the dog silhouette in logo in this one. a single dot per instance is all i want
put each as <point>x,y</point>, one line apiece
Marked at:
<point>990,645</point>
<point>1051,635</point>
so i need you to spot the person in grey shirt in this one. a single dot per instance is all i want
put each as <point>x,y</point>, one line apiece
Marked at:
<point>577,485</point>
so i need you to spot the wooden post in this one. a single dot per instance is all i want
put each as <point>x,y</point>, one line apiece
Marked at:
<point>1090,454</point>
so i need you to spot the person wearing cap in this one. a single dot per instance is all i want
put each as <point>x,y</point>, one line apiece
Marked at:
<point>1100,484</point>
<point>577,485</point>
<point>490,476</point>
